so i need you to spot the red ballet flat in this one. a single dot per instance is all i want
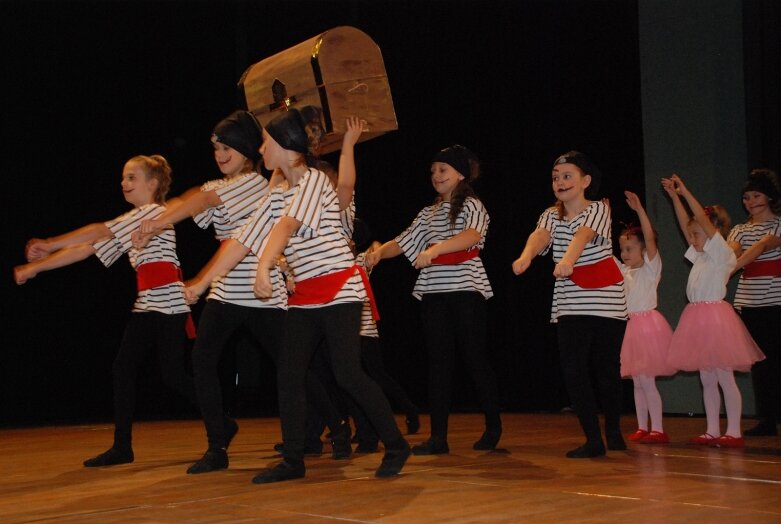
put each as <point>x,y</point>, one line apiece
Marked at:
<point>655,437</point>
<point>728,441</point>
<point>637,435</point>
<point>703,440</point>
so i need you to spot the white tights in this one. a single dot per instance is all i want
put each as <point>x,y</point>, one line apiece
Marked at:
<point>733,402</point>
<point>647,402</point>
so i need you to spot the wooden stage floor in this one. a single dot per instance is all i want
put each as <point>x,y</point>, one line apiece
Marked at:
<point>527,480</point>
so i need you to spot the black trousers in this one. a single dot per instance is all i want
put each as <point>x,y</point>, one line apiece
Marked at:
<point>145,332</point>
<point>591,346</point>
<point>457,322</point>
<point>219,320</point>
<point>763,323</point>
<point>337,326</point>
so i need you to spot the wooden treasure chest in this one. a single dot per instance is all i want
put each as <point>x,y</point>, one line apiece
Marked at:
<point>341,71</point>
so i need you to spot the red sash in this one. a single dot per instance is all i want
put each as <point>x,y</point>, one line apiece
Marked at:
<point>600,274</point>
<point>456,257</point>
<point>323,289</point>
<point>157,274</point>
<point>762,268</point>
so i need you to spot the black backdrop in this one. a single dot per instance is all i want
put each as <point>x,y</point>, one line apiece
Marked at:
<point>89,84</point>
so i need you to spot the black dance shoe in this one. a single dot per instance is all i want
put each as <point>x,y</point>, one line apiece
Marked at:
<point>587,450</point>
<point>285,470</point>
<point>212,460</point>
<point>111,457</point>
<point>340,442</point>
<point>615,442</point>
<point>314,449</point>
<point>413,423</point>
<point>489,440</point>
<point>432,446</point>
<point>393,461</point>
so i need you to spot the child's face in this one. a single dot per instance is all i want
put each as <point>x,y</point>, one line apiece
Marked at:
<point>273,154</point>
<point>138,188</point>
<point>444,179</point>
<point>229,161</point>
<point>756,203</point>
<point>696,235</point>
<point>569,182</point>
<point>631,251</point>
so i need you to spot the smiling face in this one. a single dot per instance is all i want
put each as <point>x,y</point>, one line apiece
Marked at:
<point>137,187</point>
<point>569,182</point>
<point>631,251</point>
<point>444,179</point>
<point>229,161</point>
<point>758,205</point>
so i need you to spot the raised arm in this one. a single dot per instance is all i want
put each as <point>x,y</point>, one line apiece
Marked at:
<point>698,212</point>
<point>534,245</point>
<point>680,212</point>
<point>346,180</point>
<point>60,258</point>
<point>645,223</point>
<point>38,248</point>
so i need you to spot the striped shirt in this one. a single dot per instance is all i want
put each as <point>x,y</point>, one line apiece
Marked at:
<point>568,297</point>
<point>368,324</point>
<point>319,246</point>
<point>432,226</point>
<point>710,271</point>
<point>760,291</point>
<point>167,299</point>
<point>239,196</point>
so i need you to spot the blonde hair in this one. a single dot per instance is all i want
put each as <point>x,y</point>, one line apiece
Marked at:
<point>719,217</point>
<point>158,168</point>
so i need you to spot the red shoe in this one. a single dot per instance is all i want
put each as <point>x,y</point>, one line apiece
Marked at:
<point>727,441</point>
<point>637,435</point>
<point>703,440</point>
<point>655,437</point>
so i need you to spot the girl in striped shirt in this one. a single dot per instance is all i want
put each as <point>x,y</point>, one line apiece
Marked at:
<point>757,243</point>
<point>589,302</point>
<point>444,242</point>
<point>227,204</point>
<point>160,313</point>
<point>710,337</point>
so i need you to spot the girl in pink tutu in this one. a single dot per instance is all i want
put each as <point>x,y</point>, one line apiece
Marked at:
<point>647,338</point>
<point>710,337</point>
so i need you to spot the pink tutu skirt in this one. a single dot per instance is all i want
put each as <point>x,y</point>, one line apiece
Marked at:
<point>711,335</point>
<point>646,345</point>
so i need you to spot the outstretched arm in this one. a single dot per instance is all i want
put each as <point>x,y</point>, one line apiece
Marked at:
<point>346,181</point>
<point>534,245</point>
<point>389,249</point>
<point>645,223</point>
<point>38,248</point>
<point>230,253</point>
<point>680,212</point>
<point>191,203</point>
<point>60,258</point>
<point>760,246</point>
<point>464,240</point>
<point>582,236</point>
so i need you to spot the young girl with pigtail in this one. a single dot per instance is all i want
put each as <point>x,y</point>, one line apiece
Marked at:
<point>647,337</point>
<point>160,315</point>
<point>710,337</point>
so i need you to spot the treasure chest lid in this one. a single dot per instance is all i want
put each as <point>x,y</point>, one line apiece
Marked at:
<point>341,71</point>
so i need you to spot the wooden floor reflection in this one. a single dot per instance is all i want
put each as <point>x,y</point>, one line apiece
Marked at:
<point>527,480</point>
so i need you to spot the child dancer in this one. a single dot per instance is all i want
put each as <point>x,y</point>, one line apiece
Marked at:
<point>444,242</point>
<point>160,313</point>
<point>647,337</point>
<point>757,243</point>
<point>302,221</point>
<point>589,303</point>
<point>710,337</point>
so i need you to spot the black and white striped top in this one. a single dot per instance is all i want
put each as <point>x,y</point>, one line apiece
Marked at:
<point>760,291</point>
<point>368,324</point>
<point>240,196</point>
<point>568,297</point>
<point>168,299</point>
<point>319,246</point>
<point>432,226</point>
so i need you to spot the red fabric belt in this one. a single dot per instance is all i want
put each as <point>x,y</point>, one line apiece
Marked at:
<point>600,274</point>
<point>157,274</point>
<point>323,289</point>
<point>762,268</point>
<point>456,257</point>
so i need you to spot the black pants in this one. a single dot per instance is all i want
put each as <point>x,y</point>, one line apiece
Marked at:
<point>456,321</point>
<point>337,326</point>
<point>763,323</point>
<point>591,346</point>
<point>143,333</point>
<point>218,322</point>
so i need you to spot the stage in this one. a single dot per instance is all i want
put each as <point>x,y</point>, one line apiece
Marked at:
<point>527,480</point>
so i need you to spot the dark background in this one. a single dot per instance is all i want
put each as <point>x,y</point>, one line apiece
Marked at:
<point>87,85</point>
